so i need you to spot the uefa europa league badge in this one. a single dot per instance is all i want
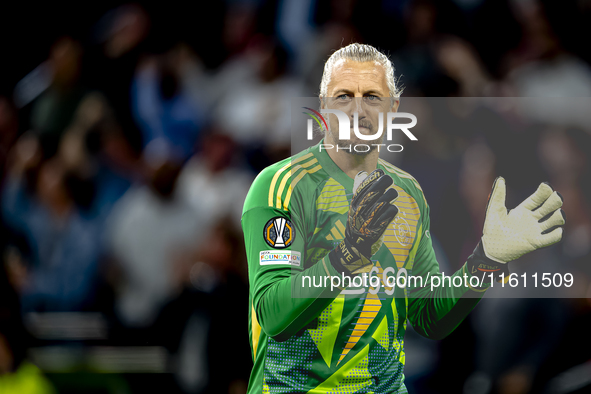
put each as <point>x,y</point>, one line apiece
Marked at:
<point>279,233</point>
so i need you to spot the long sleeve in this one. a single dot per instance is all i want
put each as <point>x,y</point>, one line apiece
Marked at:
<point>435,311</point>
<point>283,293</point>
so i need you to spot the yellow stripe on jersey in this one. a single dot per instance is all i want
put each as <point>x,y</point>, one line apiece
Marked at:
<point>402,174</point>
<point>371,307</point>
<point>336,234</point>
<point>256,331</point>
<point>295,182</point>
<point>340,226</point>
<point>274,181</point>
<point>280,171</point>
<point>288,176</point>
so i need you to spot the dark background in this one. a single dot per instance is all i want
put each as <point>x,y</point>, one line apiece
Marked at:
<point>130,133</point>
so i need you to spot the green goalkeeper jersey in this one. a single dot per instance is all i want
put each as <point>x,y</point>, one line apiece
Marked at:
<point>309,338</point>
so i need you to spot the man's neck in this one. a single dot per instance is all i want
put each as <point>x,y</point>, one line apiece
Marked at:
<point>351,163</point>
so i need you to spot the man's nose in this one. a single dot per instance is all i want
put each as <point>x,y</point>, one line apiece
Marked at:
<point>358,106</point>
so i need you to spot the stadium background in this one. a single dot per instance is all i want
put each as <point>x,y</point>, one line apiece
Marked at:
<point>130,133</point>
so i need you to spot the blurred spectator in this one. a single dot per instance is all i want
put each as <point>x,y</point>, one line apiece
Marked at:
<point>564,155</point>
<point>330,34</point>
<point>507,359</point>
<point>461,63</point>
<point>94,150</point>
<point>161,104</point>
<point>239,26</point>
<point>256,110</point>
<point>198,323</point>
<point>37,202</point>
<point>148,230</point>
<point>119,39</point>
<point>212,186</point>
<point>416,61</point>
<point>295,25</point>
<point>540,66</point>
<point>53,110</point>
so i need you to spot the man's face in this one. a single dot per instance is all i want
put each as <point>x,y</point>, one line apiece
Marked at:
<point>362,88</point>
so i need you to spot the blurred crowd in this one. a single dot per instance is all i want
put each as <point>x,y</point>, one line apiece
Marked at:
<point>130,134</point>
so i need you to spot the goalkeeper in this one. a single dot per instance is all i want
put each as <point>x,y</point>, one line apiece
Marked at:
<point>329,213</point>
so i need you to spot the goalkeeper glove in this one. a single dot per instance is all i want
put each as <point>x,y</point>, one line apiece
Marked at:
<point>508,235</point>
<point>370,213</point>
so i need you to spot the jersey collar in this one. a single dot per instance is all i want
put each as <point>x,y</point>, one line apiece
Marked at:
<point>331,168</point>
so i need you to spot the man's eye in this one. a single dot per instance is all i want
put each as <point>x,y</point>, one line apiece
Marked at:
<point>371,97</point>
<point>343,97</point>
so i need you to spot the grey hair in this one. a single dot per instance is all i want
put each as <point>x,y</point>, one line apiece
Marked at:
<point>360,53</point>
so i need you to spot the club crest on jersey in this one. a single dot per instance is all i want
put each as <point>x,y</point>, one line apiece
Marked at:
<point>402,230</point>
<point>279,233</point>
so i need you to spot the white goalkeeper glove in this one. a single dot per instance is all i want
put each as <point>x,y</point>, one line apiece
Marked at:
<point>508,235</point>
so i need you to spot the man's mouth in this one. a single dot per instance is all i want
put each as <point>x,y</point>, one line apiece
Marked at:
<point>362,129</point>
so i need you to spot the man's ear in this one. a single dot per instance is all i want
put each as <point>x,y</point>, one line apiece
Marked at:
<point>322,104</point>
<point>395,105</point>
